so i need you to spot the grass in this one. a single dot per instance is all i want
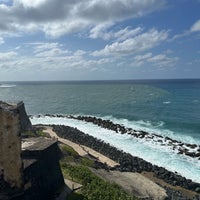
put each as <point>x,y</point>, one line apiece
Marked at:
<point>38,133</point>
<point>93,186</point>
<point>76,168</point>
<point>68,151</point>
<point>87,162</point>
<point>70,155</point>
<point>28,134</point>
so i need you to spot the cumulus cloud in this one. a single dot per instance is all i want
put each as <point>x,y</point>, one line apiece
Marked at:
<point>57,29</point>
<point>40,46</point>
<point>51,57</point>
<point>48,49</point>
<point>160,60</point>
<point>139,43</point>
<point>100,31</point>
<point>54,57</point>
<point>7,56</point>
<point>59,17</point>
<point>196,26</point>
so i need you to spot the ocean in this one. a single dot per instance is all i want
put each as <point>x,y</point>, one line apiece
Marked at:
<point>170,108</point>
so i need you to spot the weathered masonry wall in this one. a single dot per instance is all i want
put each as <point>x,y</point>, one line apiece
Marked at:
<point>10,147</point>
<point>25,123</point>
<point>29,170</point>
<point>41,168</point>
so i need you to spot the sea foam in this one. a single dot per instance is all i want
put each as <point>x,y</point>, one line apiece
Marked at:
<point>157,128</point>
<point>7,86</point>
<point>150,151</point>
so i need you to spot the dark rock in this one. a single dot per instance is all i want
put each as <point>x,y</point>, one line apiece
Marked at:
<point>118,128</point>
<point>197,189</point>
<point>127,162</point>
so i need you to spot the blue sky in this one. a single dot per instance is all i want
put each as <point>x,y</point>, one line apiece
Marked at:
<point>99,39</point>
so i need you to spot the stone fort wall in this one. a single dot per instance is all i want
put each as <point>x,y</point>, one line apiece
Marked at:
<point>10,147</point>
<point>29,168</point>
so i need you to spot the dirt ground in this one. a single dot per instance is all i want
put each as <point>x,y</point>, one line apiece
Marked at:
<point>81,149</point>
<point>133,183</point>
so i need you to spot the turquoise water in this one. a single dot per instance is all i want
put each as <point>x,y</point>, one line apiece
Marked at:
<point>174,104</point>
<point>166,107</point>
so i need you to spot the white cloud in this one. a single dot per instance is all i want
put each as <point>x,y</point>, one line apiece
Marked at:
<point>196,26</point>
<point>79,53</point>
<point>48,50</point>
<point>30,4</point>
<point>51,53</point>
<point>57,29</point>
<point>103,10</point>
<point>7,56</point>
<point>123,34</point>
<point>59,17</point>
<point>25,28</point>
<point>1,40</point>
<point>141,42</point>
<point>160,60</point>
<point>143,57</point>
<point>44,46</point>
<point>100,31</point>
<point>51,57</point>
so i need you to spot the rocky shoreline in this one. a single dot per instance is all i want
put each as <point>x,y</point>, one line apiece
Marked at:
<point>127,162</point>
<point>191,150</point>
<point>186,149</point>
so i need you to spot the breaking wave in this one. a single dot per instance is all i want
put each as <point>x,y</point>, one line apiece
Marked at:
<point>6,86</point>
<point>149,150</point>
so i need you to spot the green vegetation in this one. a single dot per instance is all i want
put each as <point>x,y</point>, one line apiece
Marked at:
<point>68,151</point>
<point>76,168</point>
<point>71,156</point>
<point>87,162</point>
<point>28,134</point>
<point>37,133</point>
<point>40,133</point>
<point>93,186</point>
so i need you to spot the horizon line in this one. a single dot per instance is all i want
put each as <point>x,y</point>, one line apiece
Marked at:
<point>101,80</point>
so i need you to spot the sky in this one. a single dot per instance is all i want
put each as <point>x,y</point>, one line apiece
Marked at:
<point>99,39</point>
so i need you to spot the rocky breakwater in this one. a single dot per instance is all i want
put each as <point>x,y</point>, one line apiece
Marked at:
<point>179,147</point>
<point>191,150</point>
<point>128,163</point>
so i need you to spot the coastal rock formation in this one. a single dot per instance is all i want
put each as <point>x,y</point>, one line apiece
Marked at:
<point>191,150</point>
<point>186,149</point>
<point>128,163</point>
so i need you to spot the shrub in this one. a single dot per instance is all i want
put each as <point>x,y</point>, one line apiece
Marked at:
<point>93,186</point>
